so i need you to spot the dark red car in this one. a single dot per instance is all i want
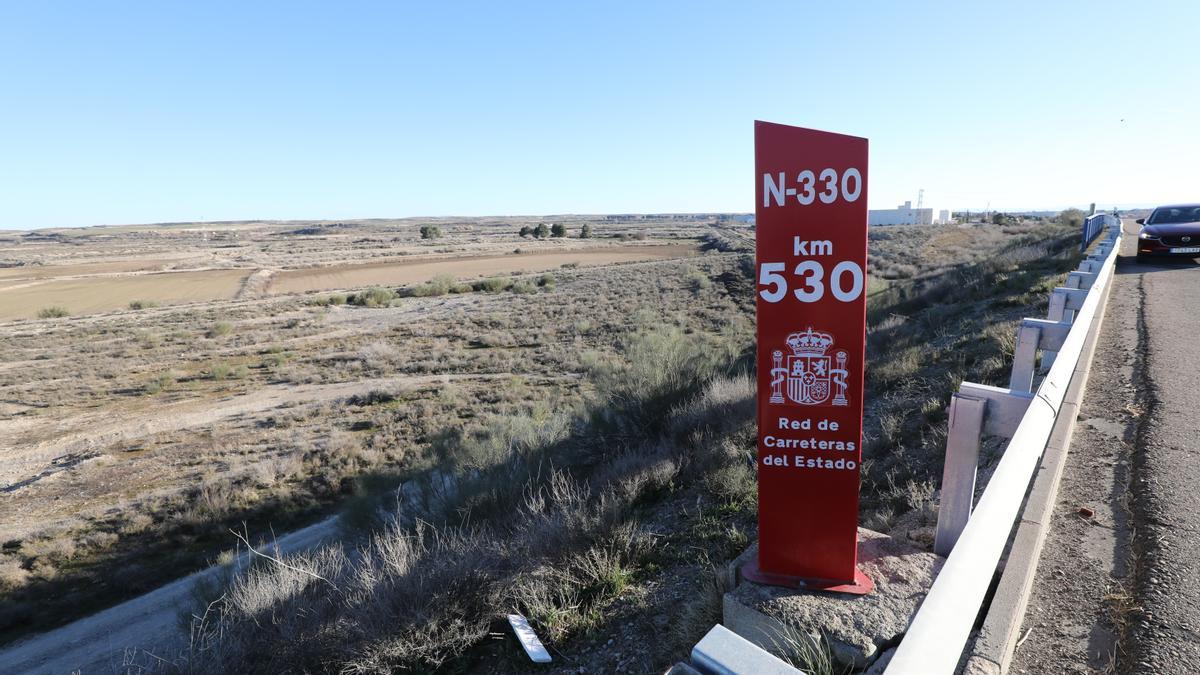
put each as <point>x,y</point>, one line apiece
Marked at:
<point>1170,231</point>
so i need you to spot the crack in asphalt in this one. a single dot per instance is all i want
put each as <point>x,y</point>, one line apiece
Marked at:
<point>1143,507</point>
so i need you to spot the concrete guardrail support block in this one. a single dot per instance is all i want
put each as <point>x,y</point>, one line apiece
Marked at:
<point>1024,358</point>
<point>958,472</point>
<point>723,652</point>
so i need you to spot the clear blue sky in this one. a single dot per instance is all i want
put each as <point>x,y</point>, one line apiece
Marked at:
<point>130,112</point>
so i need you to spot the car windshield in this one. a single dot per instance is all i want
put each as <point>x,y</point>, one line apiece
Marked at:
<point>1175,214</point>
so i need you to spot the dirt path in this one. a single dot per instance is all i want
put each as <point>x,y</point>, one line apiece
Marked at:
<point>82,269</point>
<point>256,285</point>
<point>101,642</point>
<point>43,449</point>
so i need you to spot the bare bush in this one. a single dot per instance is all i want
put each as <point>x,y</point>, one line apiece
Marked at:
<point>12,574</point>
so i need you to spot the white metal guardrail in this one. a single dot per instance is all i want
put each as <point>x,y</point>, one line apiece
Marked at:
<point>975,541</point>
<point>1093,226</point>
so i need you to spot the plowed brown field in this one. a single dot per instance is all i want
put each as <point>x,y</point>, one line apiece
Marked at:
<point>401,272</point>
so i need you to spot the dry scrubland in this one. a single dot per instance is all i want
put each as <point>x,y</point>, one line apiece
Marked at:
<point>576,445</point>
<point>133,440</point>
<point>103,269</point>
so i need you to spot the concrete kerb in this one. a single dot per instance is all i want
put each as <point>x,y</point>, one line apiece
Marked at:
<point>996,643</point>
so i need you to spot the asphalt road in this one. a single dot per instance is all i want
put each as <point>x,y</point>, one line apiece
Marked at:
<point>1165,485</point>
<point>1118,584</point>
<point>101,643</point>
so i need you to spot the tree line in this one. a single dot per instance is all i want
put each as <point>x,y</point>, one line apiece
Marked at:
<point>542,231</point>
<point>554,230</point>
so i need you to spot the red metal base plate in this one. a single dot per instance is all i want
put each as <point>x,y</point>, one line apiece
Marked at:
<point>861,585</point>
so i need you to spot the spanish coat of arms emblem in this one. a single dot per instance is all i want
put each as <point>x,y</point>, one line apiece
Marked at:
<point>809,376</point>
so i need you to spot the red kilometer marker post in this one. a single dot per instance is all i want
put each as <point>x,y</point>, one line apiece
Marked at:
<point>811,229</point>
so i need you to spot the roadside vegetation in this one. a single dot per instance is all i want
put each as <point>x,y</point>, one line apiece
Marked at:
<point>541,514</point>
<point>579,518</point>
<point>576,446</point>
<point>944,323</point>
<point>394,385</point>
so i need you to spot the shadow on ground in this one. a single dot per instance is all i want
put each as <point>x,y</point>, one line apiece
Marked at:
<point>1128,264</point>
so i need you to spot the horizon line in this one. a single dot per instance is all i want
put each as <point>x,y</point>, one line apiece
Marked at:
<point>226,221</point>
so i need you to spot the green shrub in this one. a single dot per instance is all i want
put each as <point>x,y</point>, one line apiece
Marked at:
<point>219,329</point>
<point>430,231</point>
<point>439,285</point>
<point>142,304</point>
<point>523,286</point>
<point>493,285</point>
<point>275,360</point>
<point>373,297</point>
<point>335,299</point>
<point>1072,218</point>
<point>159,383</point>
<point>660,366</point>
<point>697,280</point>
<point>558,230</point>
<point>54,312</point>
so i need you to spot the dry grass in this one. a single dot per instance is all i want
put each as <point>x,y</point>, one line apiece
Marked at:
<point>665,427</point>
<point>577,447</point>
<point>946,324</point>
<point>507,534</point>
<point>13,574</point>
<point>230,396</point>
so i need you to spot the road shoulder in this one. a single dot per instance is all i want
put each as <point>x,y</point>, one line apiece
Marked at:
<point>1079,603</point>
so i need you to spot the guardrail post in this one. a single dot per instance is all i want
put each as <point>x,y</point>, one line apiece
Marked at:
<point>1005,407</point>
<point>1024,358</point>
<point>1071,282</point>
<point>1051,335</point>
<point>958,473</point>
<point>1083,279</point>
<point>1058,307</point>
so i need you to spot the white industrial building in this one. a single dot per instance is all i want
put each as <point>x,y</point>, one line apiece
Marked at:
<point>905,214</point>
